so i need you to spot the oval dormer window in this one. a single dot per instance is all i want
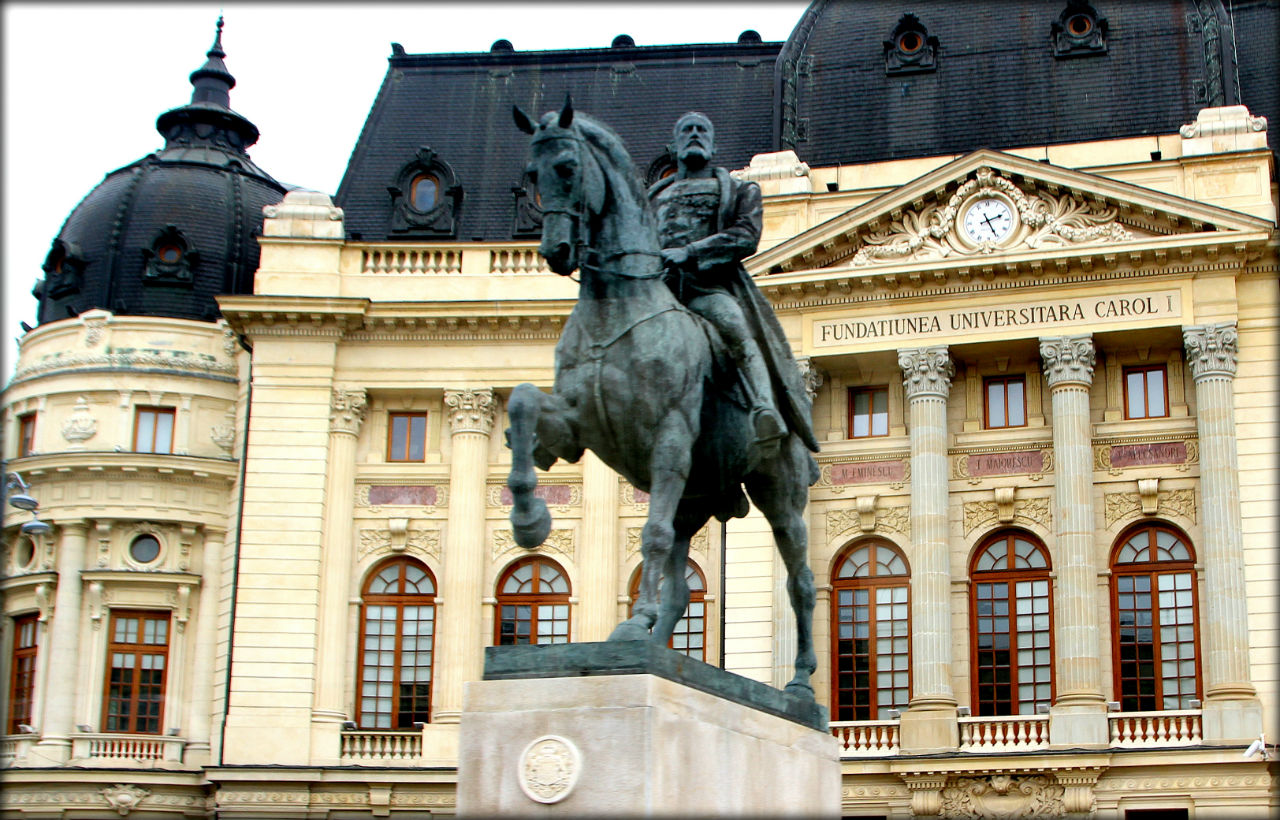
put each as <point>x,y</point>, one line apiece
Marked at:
<point>170,254</point>
<point>425,191</point>
<point>910,42</point>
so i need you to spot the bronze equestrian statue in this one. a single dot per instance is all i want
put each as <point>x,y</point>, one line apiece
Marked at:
<point>648,384</point>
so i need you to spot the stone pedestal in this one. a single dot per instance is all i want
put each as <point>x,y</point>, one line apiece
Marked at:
<point>634,729</point>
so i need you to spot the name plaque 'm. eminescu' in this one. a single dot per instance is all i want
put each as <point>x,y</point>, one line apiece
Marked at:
<point>1035,318</point>
<point>407,495</point>
<point>869,472</point>
<point>1141,455</point>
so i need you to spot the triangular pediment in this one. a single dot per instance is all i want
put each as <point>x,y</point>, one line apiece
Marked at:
<point>1036,208</point>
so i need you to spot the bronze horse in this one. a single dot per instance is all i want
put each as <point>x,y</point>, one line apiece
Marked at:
<point>636,383</point>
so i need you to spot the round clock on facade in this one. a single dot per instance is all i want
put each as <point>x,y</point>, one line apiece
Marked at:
<point>989,219</point>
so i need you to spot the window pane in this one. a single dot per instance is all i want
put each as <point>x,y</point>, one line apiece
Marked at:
<point>164,432</point>
<point>995,405</point>
<point>146,435</point>
<point>1136,395</point>
<point>880,413</point>
<point>1155,393</point>
<point>417,438</point>
<point>1017,403</point>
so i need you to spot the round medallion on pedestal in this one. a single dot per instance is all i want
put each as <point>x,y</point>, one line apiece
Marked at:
<point>549,769</point>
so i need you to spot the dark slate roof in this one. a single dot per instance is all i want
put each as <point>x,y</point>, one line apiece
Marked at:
<point>1257,42</point>
<point>997,82</point>
<point>460,106</point>
<point>200,194</point>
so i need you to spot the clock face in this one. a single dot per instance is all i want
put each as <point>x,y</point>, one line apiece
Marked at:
<point>988,220</point>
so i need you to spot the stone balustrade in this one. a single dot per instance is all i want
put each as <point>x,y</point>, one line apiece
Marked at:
<point>1153,729</point>
<point>866,738</point>
<point>390,260</point>
<point>1012,733</point>
<point>131,750</point>
<point>370,748</point>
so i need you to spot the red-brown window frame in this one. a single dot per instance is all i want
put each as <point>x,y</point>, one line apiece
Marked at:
<point>986,400</point>
<point>1152,568</point>
<point>138,650</point>
<point>1011,577</point>
<point>399,600</point>
<point>870,582</point>
<point>26,434</point>
<point>157,412</point>
<point>22,671</point>
<point>1125,372</point>
<point>695,596</point>
<point>392,455</point>
<point>854,392</point>
<point>532,599</point>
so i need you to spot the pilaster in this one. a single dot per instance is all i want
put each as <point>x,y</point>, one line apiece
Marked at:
<point>1078,716</point>
<point>471,415</point>
<point>1232,711</point>
<point>347,412</point>
<point>200,710</point>
<point>929,725</point>
<point>599,588</point>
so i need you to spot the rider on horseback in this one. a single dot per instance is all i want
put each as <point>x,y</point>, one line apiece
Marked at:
<point>708,222</point>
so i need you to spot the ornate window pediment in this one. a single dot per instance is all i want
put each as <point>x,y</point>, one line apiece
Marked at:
<point>63,271</point>
<point>1078,31</point>
<point>910,49</point>
<point>991,206</point>
<point>426,198</point>
<point>170,260</point>
<point>528,216</point>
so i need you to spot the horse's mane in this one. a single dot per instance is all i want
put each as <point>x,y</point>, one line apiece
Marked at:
<point>602,138</point>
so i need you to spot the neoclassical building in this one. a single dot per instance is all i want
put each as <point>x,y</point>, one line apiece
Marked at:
<point>1038,319</point>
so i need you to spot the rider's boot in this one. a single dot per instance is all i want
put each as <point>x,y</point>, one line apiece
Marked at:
<point>766,423</point>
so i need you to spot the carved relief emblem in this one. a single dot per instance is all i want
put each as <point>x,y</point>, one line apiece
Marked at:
<point>80,426</point>
<point>549,769</point>
<point>560,541</point>
<point>1001,796</point>
<point>1119,506</point>
<point>1026,510</point>
<point>224,434</point>
<point>124,799</point>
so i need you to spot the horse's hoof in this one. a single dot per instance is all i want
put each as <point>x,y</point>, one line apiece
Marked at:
<point>627,631</point>
<point>799,690</point>
<point>531,529</point>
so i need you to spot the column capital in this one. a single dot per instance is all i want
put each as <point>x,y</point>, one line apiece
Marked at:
<point>472,410</point>
<point>810,375</point>
<point>926,371</point>
<point>1068,360</point>
<point>347,409</point>
<point>1211,349</point>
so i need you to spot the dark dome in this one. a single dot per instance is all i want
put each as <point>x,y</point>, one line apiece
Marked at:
<point>166,234</point>
<point>882,79</point>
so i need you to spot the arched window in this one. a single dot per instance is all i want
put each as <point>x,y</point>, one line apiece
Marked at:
<point>397,632</point>
<point>533,604</point>
<point>871,633</point>
<point>689,635</point>
<point>1011,625</point>
<point>1153,607</point>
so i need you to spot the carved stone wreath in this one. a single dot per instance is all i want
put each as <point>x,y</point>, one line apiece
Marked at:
<point>1046,219</point>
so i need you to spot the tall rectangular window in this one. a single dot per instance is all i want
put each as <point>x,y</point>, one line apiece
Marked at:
<point>868,412</point>
<point>137,660</point>
<point>153,430</point>
<point>407,437</point>
<point>26,434</point>
<point>1006,402</point>
<point>22,677</point>
<point>1144,392</point>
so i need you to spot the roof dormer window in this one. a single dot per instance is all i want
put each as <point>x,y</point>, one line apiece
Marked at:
<point>170,259</point>
<point>1078,31</point>
<point>910,49</point>
<point>425,197</point>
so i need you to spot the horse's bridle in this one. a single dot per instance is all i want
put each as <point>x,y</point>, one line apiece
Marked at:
<point>589,258</point>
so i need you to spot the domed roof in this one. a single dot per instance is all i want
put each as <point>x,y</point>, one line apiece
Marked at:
<point>882,79</point>
<point>164,235</point>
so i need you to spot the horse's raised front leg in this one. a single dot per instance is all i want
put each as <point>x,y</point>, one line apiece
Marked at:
<point>540,432</point>
<point>669,473</point>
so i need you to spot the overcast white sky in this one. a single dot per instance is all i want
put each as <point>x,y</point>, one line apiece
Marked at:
<point>83,85</point>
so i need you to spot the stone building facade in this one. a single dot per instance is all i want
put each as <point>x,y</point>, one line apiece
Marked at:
<point>1044,535</point>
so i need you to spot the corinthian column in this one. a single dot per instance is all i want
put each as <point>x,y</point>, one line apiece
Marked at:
<point>1232,711</point>
<point>930,722</point>
<point>1078,716</point>
<point>328,711</point>
<point>460,642</point>
<point>63,675</point>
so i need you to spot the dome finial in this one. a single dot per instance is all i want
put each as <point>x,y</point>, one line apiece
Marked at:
<point>212,82</point>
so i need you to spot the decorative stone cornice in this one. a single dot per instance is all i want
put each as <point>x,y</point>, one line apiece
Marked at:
<point>471,410</point>
<point>926,371</point>
<point>1211,350</point>
<point>1068,360</point>
<point>347,409</point>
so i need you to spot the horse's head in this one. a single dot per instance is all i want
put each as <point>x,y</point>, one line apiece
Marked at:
<point>570,184</point>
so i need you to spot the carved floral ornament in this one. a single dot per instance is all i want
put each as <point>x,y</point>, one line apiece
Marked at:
<point>1043,219</point>
<point>471,411</point>
<point>1211,349</point>
<point>347,410</point>
<point>1068,360</point>
<point>926,371</point>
